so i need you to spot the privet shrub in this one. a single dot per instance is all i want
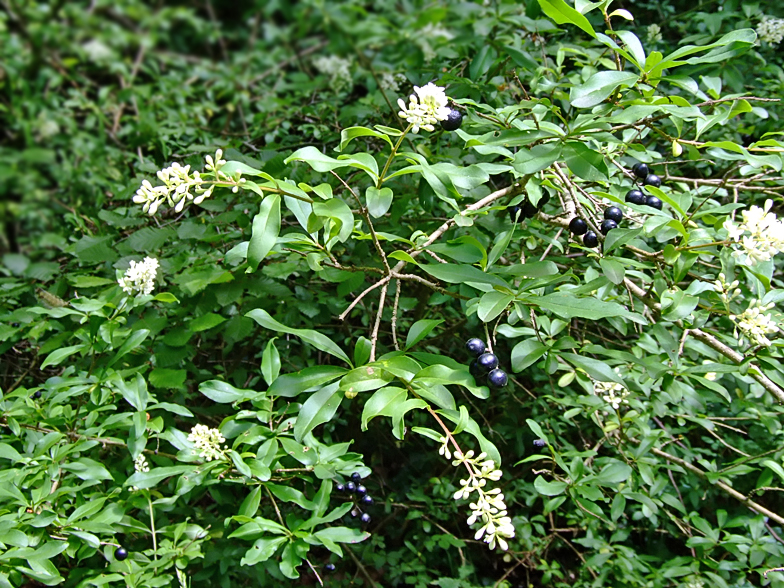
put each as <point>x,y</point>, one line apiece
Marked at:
<point>474,295</point>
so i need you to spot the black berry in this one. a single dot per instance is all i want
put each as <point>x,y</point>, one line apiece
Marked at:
<point>613,213</point>
<point>361,490</point>
<point>652,180</point>
<point>37,394</point>
<point>529,210</point>
<point>641,170</point>
<point>515,213</point>
<point>497,378</point>
<point>366,499</point>
<point>635,197</point>
<point>539,442</point>
<point>590,239</point>
<point>543,201</point>
<point>356,476</point>
<point>578,226</point>
<point>15,325</point>
<point>340,487</point>
<point>487,361</point>
<point>120,554</point>
<point>365,518</point>
<point>654,202</point>
<point>453,120</point>
<point>607,226</point>
<point>475,370</point>
<point>350,486</point>
<point>330,567</point>
<point>476,347</point>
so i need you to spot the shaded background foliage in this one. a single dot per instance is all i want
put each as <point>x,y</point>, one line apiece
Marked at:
<point>98,96</point>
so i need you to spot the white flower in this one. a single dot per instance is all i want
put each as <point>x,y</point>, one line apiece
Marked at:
<point>760,234</point>
<point>140,464</point>
<point>709,375</point>
<point>771,30</point>
<point>207,441</point>
<point>612,393</point>
<point>426,107</point>
<point>338,70</point>
<point>391,82</point>
<point>754,324</point>
<point>139,278</point>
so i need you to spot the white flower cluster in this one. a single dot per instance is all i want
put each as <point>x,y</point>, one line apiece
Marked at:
<point>338,70</point>
<point>754,324</point>
<point>771,30</point>
<point>178,182</point>
<point>489,508</point>
<point>140,464</point>
<point>140,277</point>
<point>391,82</point>
<point>612,393</point>
<point>727,292</point>
<point>426,107</point>
<point>207,441</point>
<point>765,236</point>
<point>431,32</point>
<point>654,33</point>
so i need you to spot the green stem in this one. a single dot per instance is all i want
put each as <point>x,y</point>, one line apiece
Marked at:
<point>391,157</point>
<point>152,526</point>
<point>713,244</point>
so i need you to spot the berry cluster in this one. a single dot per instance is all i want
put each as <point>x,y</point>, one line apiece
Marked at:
<point>485,364</point>
<point>525,209</point>
<point>612,218</point>
<point>360,492</point>
<point>636,195</point>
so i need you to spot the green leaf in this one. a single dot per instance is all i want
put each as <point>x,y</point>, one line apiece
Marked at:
<point>585,162</point>
<point>318,409</point>
<point>156,475</point>
<point>339,212</point>
<point>569,306</point>
<point>166,378</point>
<point>223,392</point>
<point>57,356</point>
<point>378,201</point>
<point>562,13</point>
<point>318,340</point>
<point>527,353</point>
<point>445,375</point>
<point>270,362</point>
<point>614,473</point>
<point>206,322</point>
<point>492,304</point>
<point>599,86</point>
<point>462,274</point>
<point>262,550</point>
<point>351,133</point>
<point>382,403</point>
<point>131,343</point>
<point>266,227</point>
<point>290,385</point>
<point>598,370</point>
<point>419,330</point>
<point>546,488</point>
<point>342,535</point>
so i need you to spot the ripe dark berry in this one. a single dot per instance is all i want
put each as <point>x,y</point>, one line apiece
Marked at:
<point>453,120</point>
<point>15,325</point>
<point>641,170</point>
<point>497,378</point>
<point>356,476</point>
<point>476,347</point>
<point>635,197</point>
<point>578,226</point>
<point>330,567</point>
<point>340,487</point>
<point>590,239</point>
<point>475,370</point>
<point>120,554</point>
<point>654,202</point>
<point>365,518</point>
<point>539,442</point>
<point>37,394</point>
<point>529,210</point>
<point>652,180</point>
<point>607,226</point>
<point>366,499</point>
<point>543,201</point>
<point>515,213</point>
<point>487,362</point>
<point>613,213</point>
<point>361,490</point>
<point>350,486</point>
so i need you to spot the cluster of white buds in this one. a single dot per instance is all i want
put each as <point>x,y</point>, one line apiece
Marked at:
<point>760,234</point>
<point>727,292</point>
<point>338,70</point>
<point>426,106</point>
<point>754,324</point>
<point>654,33</point>
<point>771,30</point>
<point>140,465</point>
<point>489,508</point>
<point>181,185</point>
<point>140,277</point>
<point>207,441</point>
<point>391,82</point>
<point>612,393</point>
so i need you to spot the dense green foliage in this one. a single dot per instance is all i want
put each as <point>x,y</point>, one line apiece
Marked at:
<point>314,307</point>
